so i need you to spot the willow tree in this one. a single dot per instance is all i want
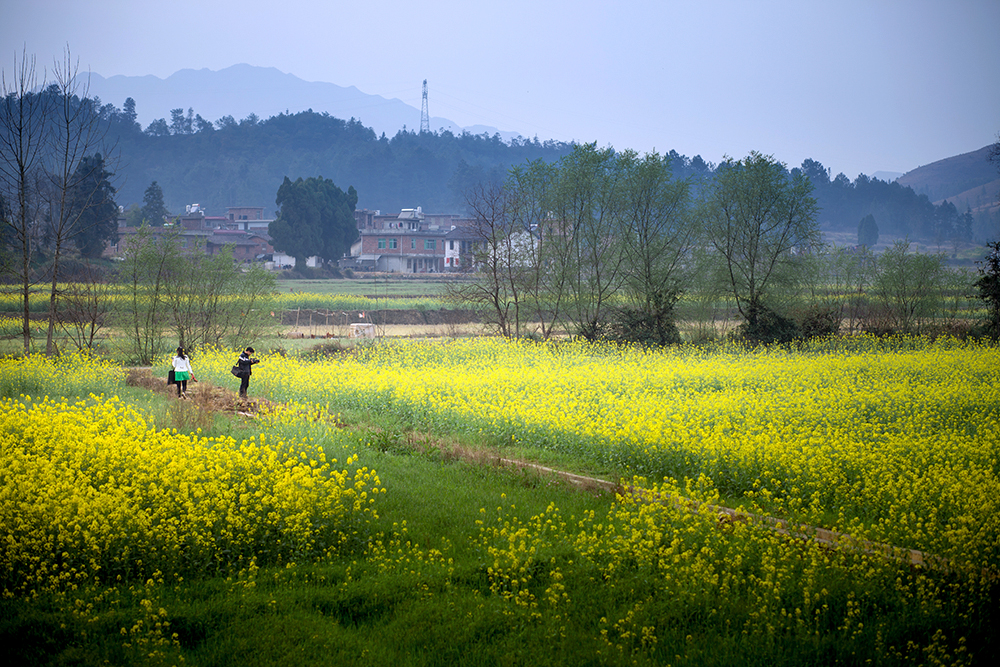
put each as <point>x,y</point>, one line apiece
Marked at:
<point>761,221</point>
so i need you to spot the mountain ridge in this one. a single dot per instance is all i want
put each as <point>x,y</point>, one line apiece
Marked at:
<point>952,177</point>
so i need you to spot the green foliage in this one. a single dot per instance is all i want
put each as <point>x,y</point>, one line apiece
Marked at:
<point>244,162</point>
<point>906,287</point>
<point>562,245</point>
<point>316,218</point>
<point>900,210</point>
<point>203,300</point>
<point>652,326</point>
<point>764,326</point>
<point>141,312</point>
<point>820,322</point>
<point>213,302</point>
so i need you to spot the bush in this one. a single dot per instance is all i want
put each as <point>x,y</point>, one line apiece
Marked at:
<point>631,325</point>
<point>765,326</point>
<point>818,323</point>
<point>989,289</point>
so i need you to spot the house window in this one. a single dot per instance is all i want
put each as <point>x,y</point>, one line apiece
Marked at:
<point>413,243</point>
<point>409,263</point>
<point>430,244</point>
<point>381,244</point>
<point>392,243</point>
<point>451,245</point>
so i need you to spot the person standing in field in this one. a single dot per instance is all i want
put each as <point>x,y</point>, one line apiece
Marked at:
<point>182,372</point>
<point>245,364</point>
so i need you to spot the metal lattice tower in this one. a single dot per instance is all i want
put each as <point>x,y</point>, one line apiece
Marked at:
<point>425,119</point>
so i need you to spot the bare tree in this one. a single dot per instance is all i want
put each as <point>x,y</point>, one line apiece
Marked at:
<point>498,257</point>
<point>76,133</point>
<point>24,116</point>
<point>86,307</point>
<point>530,191</point>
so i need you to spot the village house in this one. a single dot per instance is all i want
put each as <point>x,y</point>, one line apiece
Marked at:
<point>410,242</point>
<point>246,236</point>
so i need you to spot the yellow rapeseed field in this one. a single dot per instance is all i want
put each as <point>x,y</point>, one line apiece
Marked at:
<point>893,441</point>
<point>91,493</point>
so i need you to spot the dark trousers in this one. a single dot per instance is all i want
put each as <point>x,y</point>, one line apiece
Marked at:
<point>182,386</point>
<point>244,385</point>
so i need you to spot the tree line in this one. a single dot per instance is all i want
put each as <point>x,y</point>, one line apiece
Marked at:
<point>605,244</point>
<point>230,162</point>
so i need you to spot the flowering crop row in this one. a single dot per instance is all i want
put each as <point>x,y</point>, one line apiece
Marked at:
<point>68,375</point>
<point>91,493</point>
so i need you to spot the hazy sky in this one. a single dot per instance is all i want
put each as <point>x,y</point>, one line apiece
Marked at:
<point>860,85</point>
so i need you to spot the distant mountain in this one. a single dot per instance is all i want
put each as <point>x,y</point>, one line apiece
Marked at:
<point>968,176</point>
<point>240,90</point>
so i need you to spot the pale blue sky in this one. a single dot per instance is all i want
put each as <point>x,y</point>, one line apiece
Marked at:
<point>861,86</point>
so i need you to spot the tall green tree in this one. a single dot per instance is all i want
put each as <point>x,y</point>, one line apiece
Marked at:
<point>867,231</point>
<point>93,205</point>
<point>760,220</point>
<point>587,234</point>
<point>315,218</point>
<point>660,235</point>
<point>154,211</point>
<point>988,284</point>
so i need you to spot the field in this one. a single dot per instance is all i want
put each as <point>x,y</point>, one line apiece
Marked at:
<point>357,507</point>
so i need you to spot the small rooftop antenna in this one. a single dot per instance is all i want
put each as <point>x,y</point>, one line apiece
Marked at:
<point>425,119</point>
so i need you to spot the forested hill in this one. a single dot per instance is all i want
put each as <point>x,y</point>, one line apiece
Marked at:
<point>242,163</point>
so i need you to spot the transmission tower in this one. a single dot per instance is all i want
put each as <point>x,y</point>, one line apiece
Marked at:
<point>425,119</point>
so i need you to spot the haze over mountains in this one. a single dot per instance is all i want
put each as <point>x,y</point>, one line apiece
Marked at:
<point>240,90</point>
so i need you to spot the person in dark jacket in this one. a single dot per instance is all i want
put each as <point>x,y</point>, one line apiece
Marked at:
<point>245,364</point>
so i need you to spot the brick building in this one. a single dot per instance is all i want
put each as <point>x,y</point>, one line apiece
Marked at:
<point>410,242</point>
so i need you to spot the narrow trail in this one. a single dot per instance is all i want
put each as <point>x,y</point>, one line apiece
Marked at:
<point>727,515</point>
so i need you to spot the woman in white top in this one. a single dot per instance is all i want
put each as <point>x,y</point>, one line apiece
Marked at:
<point>182,372</point>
